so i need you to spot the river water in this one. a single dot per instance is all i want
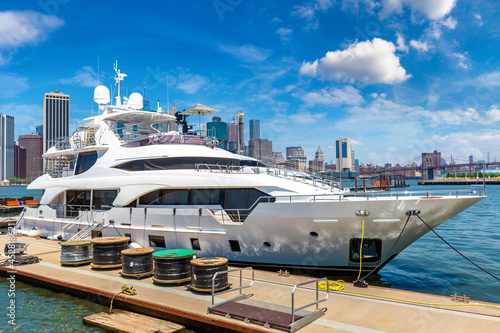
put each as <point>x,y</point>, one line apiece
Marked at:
<point>428,266</point>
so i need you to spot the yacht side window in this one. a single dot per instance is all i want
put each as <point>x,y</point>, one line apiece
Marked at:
<point>85,161</point>
<point>103,199</point>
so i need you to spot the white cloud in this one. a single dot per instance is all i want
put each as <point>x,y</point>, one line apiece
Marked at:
<point>347,95</point>
<point>356,143</point>
<point>478,19</point>
<point>284,33</point>
<point>26,117</point>
<point>401,43</point>
<point>11,85</point>
<point>86,77</point>
<point>490,79</point>
<point>432,9</point>
<point>463,60</point>
<point>18,28</point>
<point>419,46</point>
<point>492,115</point>
<point>392,148</point>
<point>308,12</point>
<point>246,53</point>
<point>191,83</point>
<point>367,62</point>
<point>450,23</point>
<point>306,117</point>
<point>377,95</point>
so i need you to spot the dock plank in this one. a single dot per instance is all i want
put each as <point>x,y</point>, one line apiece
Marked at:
<point>129,322</point>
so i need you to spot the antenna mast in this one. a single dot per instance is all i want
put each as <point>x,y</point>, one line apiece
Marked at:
<point>118,78</point>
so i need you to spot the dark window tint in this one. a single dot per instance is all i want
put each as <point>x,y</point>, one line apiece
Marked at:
<point>165,197</point>
<point>78,199</point>
<point>241,198</point>
<point>85,161</point>
<point>205,197</point>
<point>174,163</point>
<point>103,199</point>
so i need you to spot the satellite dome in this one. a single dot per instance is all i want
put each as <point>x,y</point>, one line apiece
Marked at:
<point>101,95</point>
<point>135,101</point>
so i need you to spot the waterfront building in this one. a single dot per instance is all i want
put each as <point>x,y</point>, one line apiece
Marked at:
<point>278,158</point>
<point>261,149</point>
<point>254,129</point>
<point>33,143</point>
<point>218,129</point>
<point>318,164</point>
<point>39,130</point>
<point>19,162</point>
<point>295,158</point>
<point>172,124</point>
<point>471,159</point>
<point>232,144</point>
<point>6,147</point>
<point>55,118</point>
<point>344,155</point>
<point>240,149</point>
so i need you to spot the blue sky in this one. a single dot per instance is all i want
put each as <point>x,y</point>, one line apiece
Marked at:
<point>399,77</point>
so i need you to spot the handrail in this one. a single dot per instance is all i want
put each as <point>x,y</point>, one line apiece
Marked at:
<point>317,296</point>
<point>241,287</point>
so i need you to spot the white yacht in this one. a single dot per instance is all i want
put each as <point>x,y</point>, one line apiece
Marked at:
<point>119,175</point>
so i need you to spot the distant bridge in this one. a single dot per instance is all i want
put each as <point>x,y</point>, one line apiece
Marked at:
<point>407,170</point>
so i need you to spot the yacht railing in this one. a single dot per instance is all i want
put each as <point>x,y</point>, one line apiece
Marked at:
<point>276,172</point>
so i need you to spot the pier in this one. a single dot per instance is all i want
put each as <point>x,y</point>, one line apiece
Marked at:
<point>373,309</point>
<point>460,181</point>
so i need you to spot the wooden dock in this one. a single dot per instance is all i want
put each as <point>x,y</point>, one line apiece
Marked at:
<point>372,309</point>
<point>129,322</point>
<point>460,181</point>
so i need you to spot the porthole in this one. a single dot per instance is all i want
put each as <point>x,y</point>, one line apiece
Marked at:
<point>267,244</point>
<point>313,234</point>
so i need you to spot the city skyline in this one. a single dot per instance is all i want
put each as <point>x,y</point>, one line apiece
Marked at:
<point>397,77</point>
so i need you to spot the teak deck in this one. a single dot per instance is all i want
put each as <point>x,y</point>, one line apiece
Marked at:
<point>347,312</point>
<point>128,322</point>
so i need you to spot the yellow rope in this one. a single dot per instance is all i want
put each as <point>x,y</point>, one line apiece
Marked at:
<point>338,286</point>
<point>127,290</point>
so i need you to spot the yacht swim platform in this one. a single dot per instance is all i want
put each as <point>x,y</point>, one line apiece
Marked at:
<point>351,310</point>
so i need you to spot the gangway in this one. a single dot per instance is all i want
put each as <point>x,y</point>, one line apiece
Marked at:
<point>270,315</point>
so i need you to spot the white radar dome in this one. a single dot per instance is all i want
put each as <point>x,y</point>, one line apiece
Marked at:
<point>101,95</point>
<point>135,101</point>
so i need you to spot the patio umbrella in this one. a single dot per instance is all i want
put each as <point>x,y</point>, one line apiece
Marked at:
<point>200,110</point>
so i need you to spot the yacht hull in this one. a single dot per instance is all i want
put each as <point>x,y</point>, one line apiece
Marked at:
<point>313,235</point>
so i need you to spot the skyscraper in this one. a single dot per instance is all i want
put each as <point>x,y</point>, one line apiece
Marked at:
<point>254,129</point>
<point>172,124</point>
<point>34,162</point>
<point>261,149</point>
<point>55,118</point>
<point>295,158</point>
<point>241,133</point>
<point>19,162</point>
<point>6,147</point>
<point>318,164</point>
<point>218,129</point>
<point>344,155</point>
<point>232,137</point>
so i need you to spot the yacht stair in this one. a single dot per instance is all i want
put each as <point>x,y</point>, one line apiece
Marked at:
<point>86,232</point>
